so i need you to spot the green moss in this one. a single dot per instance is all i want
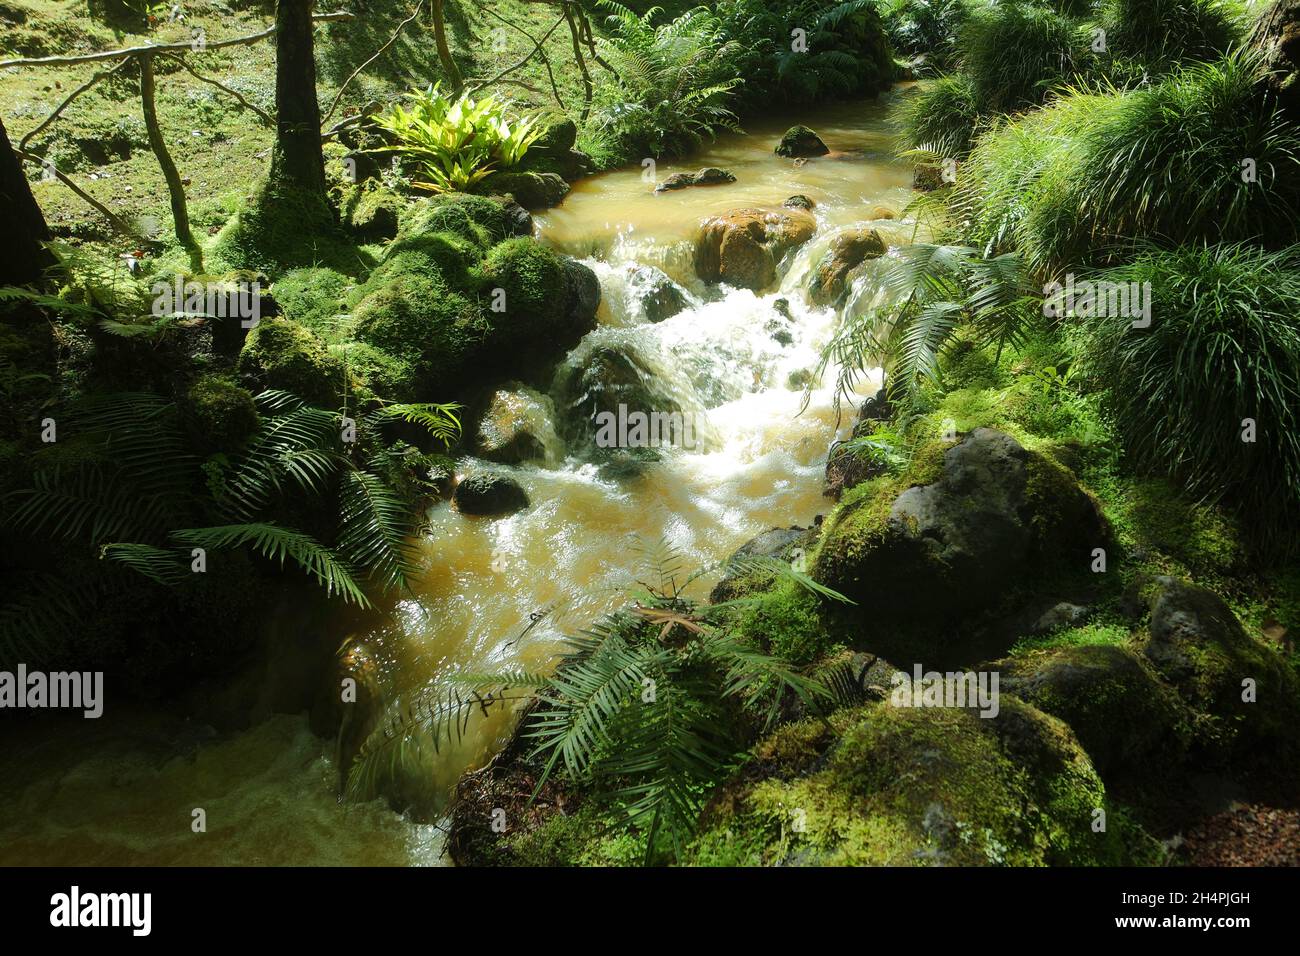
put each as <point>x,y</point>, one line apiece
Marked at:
<point>375,374</point>
<point>418,320</point>
<point>221,415</point>
<point>312,297</point>
<point>787,622</point>
<point>284,355</point>
<point>477,219</point>
<point>1201,536</point>
<point>532,278</point>
<point>916,786</point>
<point>1093,634</point>
<point>435,255</point>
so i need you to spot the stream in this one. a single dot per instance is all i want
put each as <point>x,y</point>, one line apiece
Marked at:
<point>123,794</point>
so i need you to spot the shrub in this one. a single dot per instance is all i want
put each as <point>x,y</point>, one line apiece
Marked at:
<point>943,118</point>
<point>456,143</point>
<point>1071,183</point>
<point>675,82</point>
<point>1223,347</point>
<point>1015,53</point>
<point>1165,31</point>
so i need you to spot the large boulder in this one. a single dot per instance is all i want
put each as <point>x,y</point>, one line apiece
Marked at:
<point>1134,726</point>
<point>800,141</point>
<point>600,379</point>
<point>1276,35</point>
<point>513,428</point>
<point>980,518</point>
<point>887,785</point>
<point>848,251</point>
<point>1249,692</point>
<point>742,248</point>
<point>657,295</point>
<point>532,190</point>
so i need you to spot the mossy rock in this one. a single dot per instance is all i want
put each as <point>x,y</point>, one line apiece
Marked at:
<point>800,141</point>
<point>442,255</point>
<point>311,297</point>
<point>484,220</point>
<point>281,228</point>
<point>1135,727</point>
<point>285,355</point>
<point>544,298</point>
<point>968,524</point>
<point>849,250</point>
<point>419,320</point>
<point>1249,691</point>
<point>376,375</point>
<point>221,414</point>
<point>786,621</point>
<point>372,211</point>
<point>532,190</point>
<point>900,786</point>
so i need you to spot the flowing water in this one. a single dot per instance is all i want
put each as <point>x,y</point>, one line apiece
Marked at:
<point>127,796</point>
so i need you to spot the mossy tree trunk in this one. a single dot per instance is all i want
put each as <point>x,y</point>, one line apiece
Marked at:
<point>175,188</point>
<point>297,160</point>
<point>449,67</point>
<point>28,258</point>
<point>1276,35</point>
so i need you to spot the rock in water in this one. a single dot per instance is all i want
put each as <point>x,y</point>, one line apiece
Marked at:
<point>490,495</point>
<point>660,298</point>
<point>709,176</point>
<point>800,141</point>
<point>848,251</point>
<point>508,430</point>
<point>742,248</point>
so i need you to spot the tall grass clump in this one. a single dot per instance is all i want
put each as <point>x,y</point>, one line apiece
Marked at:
<point>926,28</point>
<point>1223,347</point>
<point>1165,31</point>
<point>1015,53</point>
<point>943,118</point>
<point>1073,183</point>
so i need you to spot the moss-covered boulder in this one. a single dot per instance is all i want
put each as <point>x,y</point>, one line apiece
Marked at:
<point>848,251</point>
<point>744,247</point>
<point>900,786</point>
<point>598,381</point>
<point>221,414</point>
<point>485,220</point>
<point>532,190</point>
<point>1134,726</point>
<point>799,141</point>
<point>311,296</point>
<point>371,211</point>
<point>1249,692</point>
<point>966,525</point>
<point>285,355</point>
<point>537,296</point>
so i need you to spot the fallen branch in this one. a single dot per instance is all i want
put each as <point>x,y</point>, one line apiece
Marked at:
<point>104,74</point>
<point>103,210</point>
<point>355,73</point>
<point>266,117</point>
<point>537,48</point>
<point>152,48</point>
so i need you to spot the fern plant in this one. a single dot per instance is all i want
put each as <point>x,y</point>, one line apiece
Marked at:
<point>651,706</point>
<point>674,81</point>
<point>927,292</point>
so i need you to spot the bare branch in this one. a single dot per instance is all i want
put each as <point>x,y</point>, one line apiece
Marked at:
<point>22,143</point>
<point>266,117</point>
<point>376,55</point>
<point>117,223</point>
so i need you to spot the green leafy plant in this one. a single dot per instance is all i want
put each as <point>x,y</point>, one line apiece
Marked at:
<point>928,292</point>
<point>456,143</point>
<point>944,118</point>
<point>1223,347</point>
<point>674,81</point>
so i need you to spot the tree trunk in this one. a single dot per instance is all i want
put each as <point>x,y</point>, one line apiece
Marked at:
<point>175,189</point>
<point>1277,36</point>
<point>444,52</point>
<point>28,258</point>
<point>297,160</point>
<point>582,63</point>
